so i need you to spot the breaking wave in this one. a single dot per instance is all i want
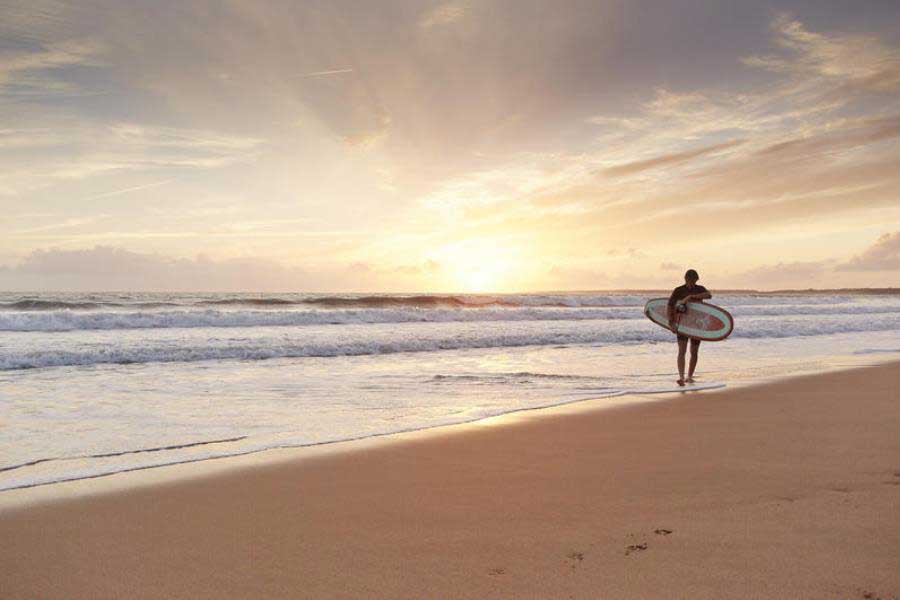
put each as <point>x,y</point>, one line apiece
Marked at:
<point>72,320</point>
<point>360,340</point>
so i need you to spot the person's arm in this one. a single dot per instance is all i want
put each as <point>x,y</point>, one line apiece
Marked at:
<point>671,311</point>
<point>704,295</point>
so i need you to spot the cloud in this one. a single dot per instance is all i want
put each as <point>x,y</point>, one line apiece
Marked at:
<point>626,253</point>
<point>816,75</point>
<point>852,61</point>
<point>867,132</point>
<point>883,255</point>
<point>114,268</point>
<point>36,21</point>
<point>786,275</point>
<point>77,150</point>
<point>668,159</point>
<point>732,158</point>
<point>680,118</point>
<point>51,56</point>
<point>31,72</point>
<point>506,187</point>
<point>107,268</point>
<point>407,132</point>
<point>444,14</point>
<point>370,138</point>
<point>428,267</point>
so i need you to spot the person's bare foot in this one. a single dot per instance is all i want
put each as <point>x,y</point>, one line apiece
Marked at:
<point>680,382</point>
<point>689,379</point>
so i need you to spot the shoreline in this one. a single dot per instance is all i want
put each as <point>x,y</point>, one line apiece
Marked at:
<point>139,477</point>
<point>81,487</point>
<point>785,489</point>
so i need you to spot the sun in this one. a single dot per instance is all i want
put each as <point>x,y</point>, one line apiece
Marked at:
<point>489,277</point>
<point>480,266</point>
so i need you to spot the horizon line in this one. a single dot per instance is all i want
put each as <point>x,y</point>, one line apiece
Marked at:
<point>870,290</point>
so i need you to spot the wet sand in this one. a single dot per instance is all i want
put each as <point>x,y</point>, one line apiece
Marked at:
<point>784,490</point>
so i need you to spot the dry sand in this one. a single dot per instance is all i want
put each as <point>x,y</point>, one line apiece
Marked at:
<point>787,490</point>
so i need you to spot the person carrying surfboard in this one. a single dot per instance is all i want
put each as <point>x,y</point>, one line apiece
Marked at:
<point>690,291</point>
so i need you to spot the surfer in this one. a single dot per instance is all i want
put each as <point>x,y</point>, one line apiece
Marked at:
<point>685,293</point>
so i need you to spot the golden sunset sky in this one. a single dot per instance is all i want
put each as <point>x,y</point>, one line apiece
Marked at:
<point>472,146</point>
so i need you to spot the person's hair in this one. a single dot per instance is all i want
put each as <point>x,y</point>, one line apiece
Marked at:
<point>691,274</point>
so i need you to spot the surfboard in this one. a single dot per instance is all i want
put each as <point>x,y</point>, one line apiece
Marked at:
<point>701,321</point>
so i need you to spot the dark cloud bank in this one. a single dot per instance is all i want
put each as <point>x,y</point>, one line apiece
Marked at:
<point>105,268</point>
<point>883,255</point>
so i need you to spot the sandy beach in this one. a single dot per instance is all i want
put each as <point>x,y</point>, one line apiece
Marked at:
<point>783,490</point>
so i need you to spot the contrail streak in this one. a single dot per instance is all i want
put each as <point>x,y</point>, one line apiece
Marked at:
<point>332,72</point>
<point>131,189</point>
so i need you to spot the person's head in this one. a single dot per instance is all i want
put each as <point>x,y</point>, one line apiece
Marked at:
<point>691,277</point>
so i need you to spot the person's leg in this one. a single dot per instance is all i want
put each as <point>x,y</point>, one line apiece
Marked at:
<point>682,349</point>
<point>695,353</point>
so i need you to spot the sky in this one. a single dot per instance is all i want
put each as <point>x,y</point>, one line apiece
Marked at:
<point>461,146</point>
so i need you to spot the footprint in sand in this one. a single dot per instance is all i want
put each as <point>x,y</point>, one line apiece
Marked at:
<point>575,557</point>
<point>495,572</point>
<point>635,548</point>
<point>868,595</point>
<point>662,531</point>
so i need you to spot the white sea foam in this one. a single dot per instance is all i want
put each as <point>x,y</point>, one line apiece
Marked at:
<point>92,384</point>
<point>72,320</point>
<point>199,317</point>
<point>256,343</point>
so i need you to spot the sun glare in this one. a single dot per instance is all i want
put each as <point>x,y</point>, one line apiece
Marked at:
<point>483,278</point>
<point>480,266</point>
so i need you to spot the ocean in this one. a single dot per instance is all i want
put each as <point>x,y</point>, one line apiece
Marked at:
<point>95,384</point>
